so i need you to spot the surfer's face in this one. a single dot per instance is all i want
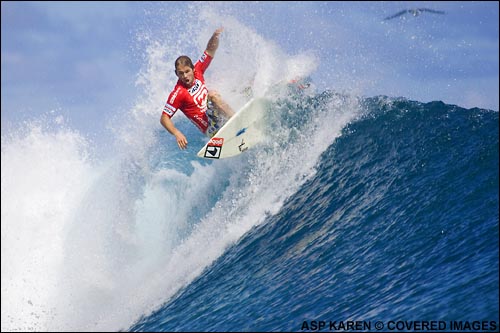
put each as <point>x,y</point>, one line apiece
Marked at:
<point>185,74</point>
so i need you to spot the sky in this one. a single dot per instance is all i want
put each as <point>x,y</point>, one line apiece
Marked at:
<point>80,61</point>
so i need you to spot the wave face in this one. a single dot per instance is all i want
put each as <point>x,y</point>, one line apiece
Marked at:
<point>400,221</point>
<point>353,208</point>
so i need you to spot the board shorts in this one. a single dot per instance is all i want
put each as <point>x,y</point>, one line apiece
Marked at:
<point>215,120</point>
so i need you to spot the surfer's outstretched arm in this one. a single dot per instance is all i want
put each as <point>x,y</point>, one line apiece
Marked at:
<point>169,126</point>
<point>213,42</point>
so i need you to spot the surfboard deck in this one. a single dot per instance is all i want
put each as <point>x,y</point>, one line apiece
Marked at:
<point>243,131</point>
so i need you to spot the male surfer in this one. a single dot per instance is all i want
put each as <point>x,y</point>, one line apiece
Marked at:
<point>191,96</point>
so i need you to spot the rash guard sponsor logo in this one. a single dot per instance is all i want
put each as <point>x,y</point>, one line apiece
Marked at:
<point>169,109</point>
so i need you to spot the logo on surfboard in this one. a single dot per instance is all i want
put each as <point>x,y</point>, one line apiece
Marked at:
<point>214,147</point>
<point>242,147</point>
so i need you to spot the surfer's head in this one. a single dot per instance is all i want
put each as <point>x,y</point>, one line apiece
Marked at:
<point>184,69</point>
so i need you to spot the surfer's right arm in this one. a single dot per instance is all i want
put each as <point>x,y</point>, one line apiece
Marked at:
<point>213,42</point>
<point>169,126</point>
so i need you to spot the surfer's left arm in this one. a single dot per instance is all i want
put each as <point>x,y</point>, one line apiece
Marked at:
<point>213,42</point>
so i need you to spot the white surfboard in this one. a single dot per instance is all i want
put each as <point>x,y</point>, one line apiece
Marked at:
<point>243,131</point>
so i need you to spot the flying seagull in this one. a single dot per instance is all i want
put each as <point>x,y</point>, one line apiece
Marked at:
<point>414,12</point>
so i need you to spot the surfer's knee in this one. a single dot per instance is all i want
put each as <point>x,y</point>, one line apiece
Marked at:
<point>214,97</point>
<point>219,103</point>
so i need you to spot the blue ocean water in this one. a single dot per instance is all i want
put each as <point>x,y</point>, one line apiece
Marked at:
<point>399,222</point>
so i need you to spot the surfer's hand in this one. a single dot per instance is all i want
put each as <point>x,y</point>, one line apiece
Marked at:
<point>181,140</point>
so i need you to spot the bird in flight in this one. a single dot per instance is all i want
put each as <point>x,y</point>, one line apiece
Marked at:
<point>414,12</point>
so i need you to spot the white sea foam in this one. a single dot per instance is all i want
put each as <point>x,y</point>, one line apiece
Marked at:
<point>94,244</point>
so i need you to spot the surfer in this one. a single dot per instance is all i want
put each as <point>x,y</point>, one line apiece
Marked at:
<point>204,108</point>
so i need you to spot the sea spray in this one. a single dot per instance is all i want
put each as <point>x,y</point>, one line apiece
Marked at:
<point>44,177</point>
<point>130,229</point>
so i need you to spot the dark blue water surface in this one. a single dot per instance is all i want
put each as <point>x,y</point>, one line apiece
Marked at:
<point>400,223</point>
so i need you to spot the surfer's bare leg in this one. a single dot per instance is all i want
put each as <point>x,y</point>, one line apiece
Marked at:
<point>222,106</point>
